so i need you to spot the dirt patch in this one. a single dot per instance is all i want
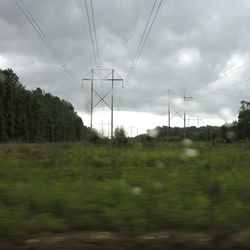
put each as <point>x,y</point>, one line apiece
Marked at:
<point>107,240</point>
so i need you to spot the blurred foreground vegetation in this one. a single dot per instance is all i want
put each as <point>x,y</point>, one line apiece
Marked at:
<point>70,187</point>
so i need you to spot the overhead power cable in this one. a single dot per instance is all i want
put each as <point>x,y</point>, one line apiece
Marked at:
<point>93,37</point>
<point>144,37</point>
<point>216,90</point>
<point>221,77</point>
<point>45,39</point>
<point>231,93</point>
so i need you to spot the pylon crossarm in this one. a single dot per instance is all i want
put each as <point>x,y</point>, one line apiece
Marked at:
<point>102,79</point>
<point>97,75</point>
<point>86,76</point>
<point>107,75</point>
<point>119,76</point>
<point>115,79</point>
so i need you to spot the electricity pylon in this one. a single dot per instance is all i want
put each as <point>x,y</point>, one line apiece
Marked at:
<point>110,77</point>
<point>173,111</point>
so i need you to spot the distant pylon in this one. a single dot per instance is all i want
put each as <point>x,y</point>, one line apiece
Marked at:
<point>173,111</point>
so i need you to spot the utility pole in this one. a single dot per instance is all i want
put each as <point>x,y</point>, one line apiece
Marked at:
<point>169,112</point>
<point>101,98</point>
<point>102,128</point>
<point>91,98</point>
<point>131,130</point>
<point>108,128</point>
<point>112,105</point>
<point>102,124</point>
<point>198,121</point>
<point>185,98</point>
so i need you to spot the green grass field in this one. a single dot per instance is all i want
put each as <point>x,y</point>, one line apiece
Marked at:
<point>71,187</point>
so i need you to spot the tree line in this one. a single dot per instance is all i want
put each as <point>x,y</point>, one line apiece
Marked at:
<point>34,115</point>
<point>236,131</point>
<point>37,116</point>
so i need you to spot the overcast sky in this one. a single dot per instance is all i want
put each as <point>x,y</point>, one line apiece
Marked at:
<point>192,42</point>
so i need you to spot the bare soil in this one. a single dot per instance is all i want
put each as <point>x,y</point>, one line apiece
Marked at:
<point>107,240</point>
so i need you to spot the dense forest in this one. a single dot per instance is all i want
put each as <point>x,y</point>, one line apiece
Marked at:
<point>34,115</point>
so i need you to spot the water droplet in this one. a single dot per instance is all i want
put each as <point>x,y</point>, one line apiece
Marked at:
<point>226,114</point>
<point>153,132</point>
<point>136,190</point>
<point>190,152</point>
<point>230,135</point>
<point>160,165</point>
<point>187,142</point>
<point>157,185</point>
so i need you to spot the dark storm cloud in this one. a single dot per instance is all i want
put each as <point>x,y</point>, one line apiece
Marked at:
<point>192,42</point>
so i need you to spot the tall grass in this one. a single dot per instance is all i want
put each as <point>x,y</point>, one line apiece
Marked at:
<point>66,187</point>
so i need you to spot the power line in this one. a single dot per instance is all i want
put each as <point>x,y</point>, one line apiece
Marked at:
<point>230,94</point>
<point>214,91</point>
<point>95,36</point>
<point>44,38</point>
<point>59,58</point>
<point>148,33</point>
<point>91,35</point>
<point>143,41</point>
<point>221,77</point>
<point>24,11</point>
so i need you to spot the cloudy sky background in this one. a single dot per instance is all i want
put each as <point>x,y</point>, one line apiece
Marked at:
<point>192,43</point>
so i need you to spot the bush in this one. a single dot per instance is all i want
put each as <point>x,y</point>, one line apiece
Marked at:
<point>120,138</point>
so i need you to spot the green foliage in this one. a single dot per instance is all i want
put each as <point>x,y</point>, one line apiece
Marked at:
<point>164,133</point>
<point>59,187</point>
<point>243,125</point>
<point>228,133</point>
<point>35,116</point>
<point>120,138</point>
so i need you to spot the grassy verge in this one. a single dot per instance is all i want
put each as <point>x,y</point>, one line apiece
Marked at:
<point>60,188</point>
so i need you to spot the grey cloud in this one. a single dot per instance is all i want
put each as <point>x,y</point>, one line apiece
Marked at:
<point>216,29</point>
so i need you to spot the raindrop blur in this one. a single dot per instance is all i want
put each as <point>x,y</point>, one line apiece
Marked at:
<point>187,142</point>
<point>230,135</point>
<point>190,152</point>
<point>226,114</point>
<point>136,190</point>
<point>153,132</point>
<point>160,165</point>
<point>157,185</point>
<point>187,104</point>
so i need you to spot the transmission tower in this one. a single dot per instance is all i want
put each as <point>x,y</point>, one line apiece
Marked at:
<point>111,77</point>
<point>197,120</point>
<point>172,112</point>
